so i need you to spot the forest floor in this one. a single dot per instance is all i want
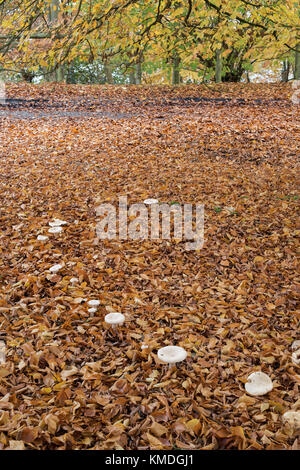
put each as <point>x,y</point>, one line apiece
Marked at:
<point>69,382</point>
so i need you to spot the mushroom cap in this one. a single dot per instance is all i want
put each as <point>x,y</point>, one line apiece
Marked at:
<point>42,237</point>
<point>57,223</point>
<point>292,418</point>
<point>55,229</point>
<point>73,280</point>
<point>150,201</point>
<point>55,268</point>
<point>172,354</point>
<point>258,383</point>
<point>114,318</point>
<point>296,357</point>
<point>94,303</point>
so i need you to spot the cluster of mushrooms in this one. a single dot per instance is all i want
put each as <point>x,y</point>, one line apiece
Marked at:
<point>258,383</point>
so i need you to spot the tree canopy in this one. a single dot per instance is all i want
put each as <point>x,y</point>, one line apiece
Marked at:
<point>46,33</point>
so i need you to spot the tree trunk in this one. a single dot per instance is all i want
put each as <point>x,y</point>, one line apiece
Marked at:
<point>175,71</point>
<point>297,63</point>
<point>139,73</point>
<point>108,73</point>
<point>285,71</point>
<point>218,66</point>
<point>58,75</point>
<point>132,78</point>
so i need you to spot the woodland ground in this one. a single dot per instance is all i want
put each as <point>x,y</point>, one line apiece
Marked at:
<point>69,383</point>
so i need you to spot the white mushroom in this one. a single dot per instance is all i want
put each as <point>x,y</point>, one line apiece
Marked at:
<point>150,201</point>
<point>172,354</point>
<point>2,352</point>
<point>55,268</point>
<point>55,230</point>
<point>73,280</point>
<point>57,223</point>
<point>296,357</point>
<point>42,237</point>
<point>92,310</point>
<point>94,303</point>
<point>292,418</point>
<point>258,384</point>
<point>114,319</point>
